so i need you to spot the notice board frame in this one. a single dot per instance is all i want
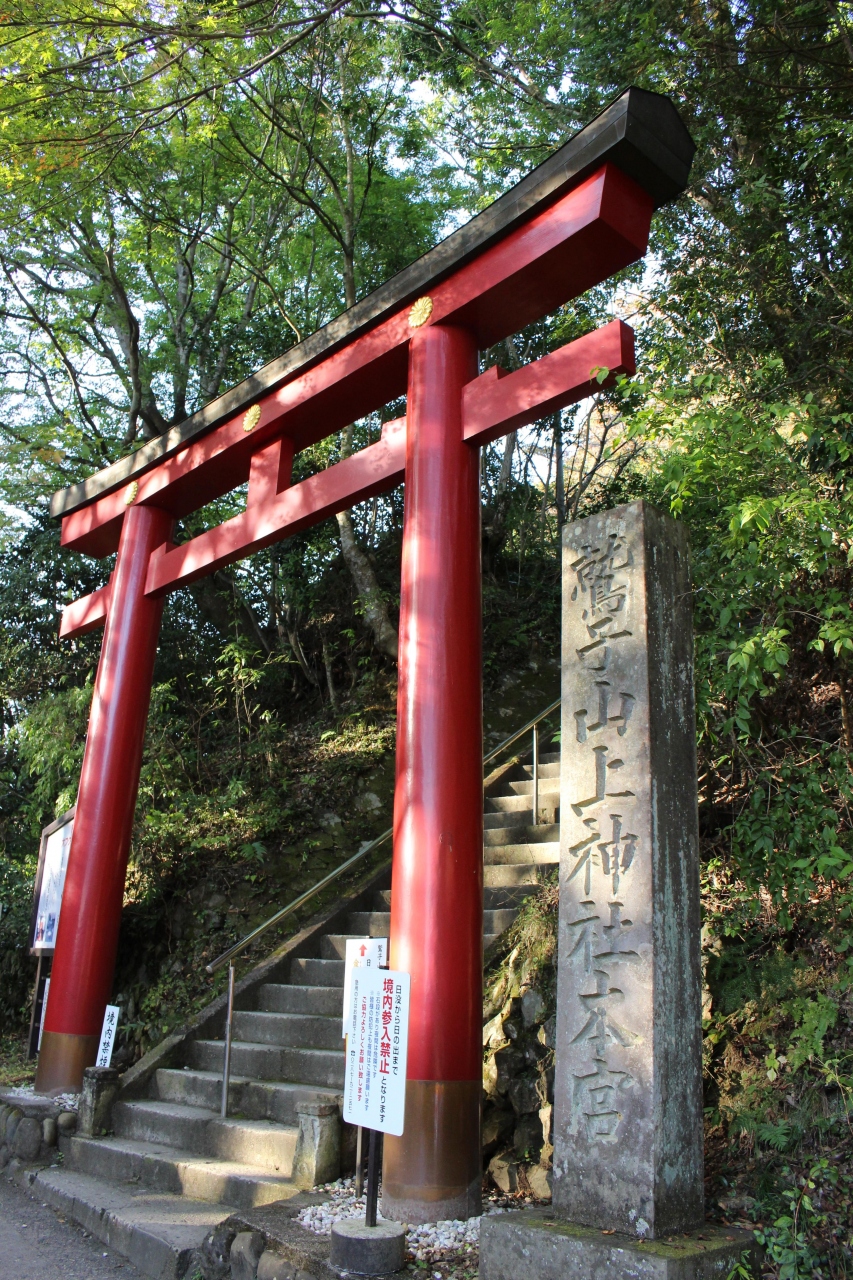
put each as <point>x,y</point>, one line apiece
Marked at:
<point>47,832</point>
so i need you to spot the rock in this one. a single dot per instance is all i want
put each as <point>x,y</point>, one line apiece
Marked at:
<point>66,1121</point>
<point>490,1077</point>
<point>5,1155</point>
<point>539,1181</point>
<point>503,1171</point>
<point>493,1032</point>
<point>246,1251</point>
<point>273,1267</point>
<point>527,1138</point>
<point>546,1115</point>
<point>4,1111</point>
<point>213,1259</point>
<point>317,1158</point>
<point>100,1086</point>
<point>368,802</point>
<point>27,1141</point>
<point>524,1095</point>
<point>532,1007</point>
<point>13,1119</point>
<point>736,1204</point>
<point>508,1062</point>
<point>48,1132</point>
<point>547,1032</point>
<point>497,1124</point>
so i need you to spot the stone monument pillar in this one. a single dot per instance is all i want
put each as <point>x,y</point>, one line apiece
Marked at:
<point>628,1143</point>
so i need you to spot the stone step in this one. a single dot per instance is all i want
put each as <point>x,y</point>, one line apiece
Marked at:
<point>262,1143</point>
<point>517,877</point>
<point>335,943</point>
<point>549,767</point>
<point>511,820</point>
<point>369,924</point>
<point>544,833</point>
<point>307,1067</point>
<point>317,973</point>
<point>548,851</point>
<point>157,1233</point>
<point>376,924</point>
<point>254,1099</point>
<point>496,894</point>
<point>504,821</point>
<point>521,802</point>
<point>165,1169</point>
<point>281,998</point>
<point>547,787</point>
<point>295,1030</point>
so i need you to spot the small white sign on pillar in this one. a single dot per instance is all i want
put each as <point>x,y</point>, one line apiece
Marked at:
<point>43,1010</point>
<point>375,1076</point>
<point>367,953</point>
<point>108,1035</point>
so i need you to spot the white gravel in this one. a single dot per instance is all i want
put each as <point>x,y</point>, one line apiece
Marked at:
<point>427,1242</point>
<point>65,1101</point>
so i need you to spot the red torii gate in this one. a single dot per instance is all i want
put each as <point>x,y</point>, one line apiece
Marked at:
<point>575,220</point>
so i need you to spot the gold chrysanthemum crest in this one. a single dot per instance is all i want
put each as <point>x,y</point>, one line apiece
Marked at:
<point>132,491</point>
<point>251,417</point>
<point>420,312</point>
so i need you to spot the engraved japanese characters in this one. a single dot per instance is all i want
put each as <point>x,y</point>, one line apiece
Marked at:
<point>629,926</point>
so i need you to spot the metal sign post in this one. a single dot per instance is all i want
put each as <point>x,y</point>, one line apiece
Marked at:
<point>374,1164</point>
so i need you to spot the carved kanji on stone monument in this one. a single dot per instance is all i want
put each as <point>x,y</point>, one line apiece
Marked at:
<point>628,1138</point>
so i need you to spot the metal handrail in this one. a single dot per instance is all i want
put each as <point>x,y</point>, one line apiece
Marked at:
<point>362,853</point>
<point>297,902</point>
<point>543,715</point>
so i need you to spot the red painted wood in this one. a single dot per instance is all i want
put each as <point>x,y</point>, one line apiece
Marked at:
<point>586,235</point>
<point>370,471</point>
<point>499,401</point>
<point>437,878</point>
<point>86,614</point>
<point>82,974</point>
<point>492,404</point>
<point>270,471</point>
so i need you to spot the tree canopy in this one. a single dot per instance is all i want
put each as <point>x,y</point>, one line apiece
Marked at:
<point>189,190</point>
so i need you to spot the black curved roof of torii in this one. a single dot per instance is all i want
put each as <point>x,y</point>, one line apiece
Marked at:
<point>640,132</point>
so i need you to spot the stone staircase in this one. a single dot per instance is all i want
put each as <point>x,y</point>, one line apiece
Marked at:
<point>173,1168</point>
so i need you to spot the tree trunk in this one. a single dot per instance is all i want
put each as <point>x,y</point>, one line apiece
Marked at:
<point>364,577</point>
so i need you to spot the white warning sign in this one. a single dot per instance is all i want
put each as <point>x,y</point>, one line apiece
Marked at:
<point>361,953</point>
<point>375,1078</point>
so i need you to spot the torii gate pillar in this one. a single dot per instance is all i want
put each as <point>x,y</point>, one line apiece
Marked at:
<point>435,1172</point>
<point>94,884</point>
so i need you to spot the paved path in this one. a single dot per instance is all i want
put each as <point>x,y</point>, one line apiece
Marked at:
<point>37,1243</point>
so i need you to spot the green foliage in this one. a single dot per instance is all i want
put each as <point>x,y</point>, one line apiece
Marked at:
<point>187,194</point>
<point>788,1239</point>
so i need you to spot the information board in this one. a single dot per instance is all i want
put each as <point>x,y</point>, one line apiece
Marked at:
<point>375,1075</point>
<point>50,882</point>
<point>368,953</point>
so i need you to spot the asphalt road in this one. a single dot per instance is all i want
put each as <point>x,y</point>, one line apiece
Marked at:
<point>38,1243</point>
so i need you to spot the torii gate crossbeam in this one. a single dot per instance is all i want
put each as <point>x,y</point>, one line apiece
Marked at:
<point>582,215</point>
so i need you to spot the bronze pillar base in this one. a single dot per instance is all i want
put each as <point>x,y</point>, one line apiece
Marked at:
<point>435,1170</point>
<point>62,1061</point>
